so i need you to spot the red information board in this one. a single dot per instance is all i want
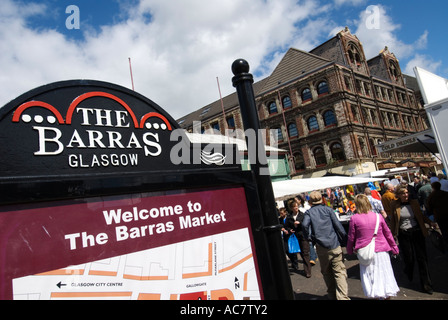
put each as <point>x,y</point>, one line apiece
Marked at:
<point>181,245</point>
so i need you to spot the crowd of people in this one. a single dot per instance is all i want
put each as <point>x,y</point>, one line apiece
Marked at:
<point>400,213</point>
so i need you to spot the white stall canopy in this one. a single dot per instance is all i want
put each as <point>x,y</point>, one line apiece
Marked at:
<point>289,188</point>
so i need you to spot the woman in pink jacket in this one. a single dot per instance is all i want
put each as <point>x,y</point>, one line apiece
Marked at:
<point>377,278</point>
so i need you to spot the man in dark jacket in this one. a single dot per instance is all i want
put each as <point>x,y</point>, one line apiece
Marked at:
<point>322,226</point>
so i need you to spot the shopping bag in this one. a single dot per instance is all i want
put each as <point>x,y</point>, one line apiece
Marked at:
<point>365,255</point>
<point>293,244</point>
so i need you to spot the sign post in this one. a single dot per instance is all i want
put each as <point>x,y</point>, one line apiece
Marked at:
<point>281,282</point>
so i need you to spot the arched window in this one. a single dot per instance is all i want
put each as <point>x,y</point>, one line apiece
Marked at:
<point>337,152</point>
<point>394,71</point>
<point>286,102</point>
<point>279,134</point>
<point>272,108</point>
<point>299,161</point>
<point>306,95</point>
<point>292,130</point>
<point>353,55</point>
<point>329,118</point>
<point>312,124</point>
<point>322,88</point>
<point>319,156</point>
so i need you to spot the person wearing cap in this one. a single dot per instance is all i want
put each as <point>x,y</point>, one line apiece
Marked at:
<point>321,225</point>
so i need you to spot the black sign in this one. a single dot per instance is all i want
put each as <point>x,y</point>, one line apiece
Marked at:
<point>85,127</point>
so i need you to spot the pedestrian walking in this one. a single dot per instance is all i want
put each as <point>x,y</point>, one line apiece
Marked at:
<point>408,224</point>
<point>377,205</point>
<point>294,224</point>
<point>388,197</point>
<point>286,233</point>
<point>377,278</point>
<point>423,194</point>
<point>323,228</point>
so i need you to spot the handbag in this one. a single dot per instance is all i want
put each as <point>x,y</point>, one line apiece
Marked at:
<point>293,244</point>
<point>365,254</point>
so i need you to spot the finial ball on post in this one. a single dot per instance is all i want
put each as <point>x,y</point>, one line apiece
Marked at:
<point>240,66</point>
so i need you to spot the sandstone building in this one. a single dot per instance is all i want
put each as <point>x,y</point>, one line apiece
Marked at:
<point>329,108</point>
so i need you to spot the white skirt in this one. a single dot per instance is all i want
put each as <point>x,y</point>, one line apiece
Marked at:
<point>378,279</point>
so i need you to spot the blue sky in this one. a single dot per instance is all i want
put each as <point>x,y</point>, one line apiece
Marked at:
<point>179,48</point>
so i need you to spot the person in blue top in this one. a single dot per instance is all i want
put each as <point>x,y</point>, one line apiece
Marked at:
<point>321,225</point>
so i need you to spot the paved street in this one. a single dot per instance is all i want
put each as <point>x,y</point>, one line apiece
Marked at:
<point>314,288</point>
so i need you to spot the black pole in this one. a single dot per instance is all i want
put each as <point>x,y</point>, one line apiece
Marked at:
<point>277,282</point>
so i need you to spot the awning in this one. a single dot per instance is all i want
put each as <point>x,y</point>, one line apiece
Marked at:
<point>418,142</point>
<point>289,188</point>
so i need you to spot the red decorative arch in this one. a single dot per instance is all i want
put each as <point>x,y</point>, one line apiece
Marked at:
<point>88,95</point>
<point>30,104</point>
<point>157,115</point>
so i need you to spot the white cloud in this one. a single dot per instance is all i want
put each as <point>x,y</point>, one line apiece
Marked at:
<point>376,29</point>
<point>177,48</point>
<point>422,61</point>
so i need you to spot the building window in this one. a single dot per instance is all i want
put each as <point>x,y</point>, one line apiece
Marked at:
<point>322,88</point>
<point>292,130</point>
<point>386,119</point>
<point>306,95</point>
<point>394,71</point>
<point>397,121</point>
<point>231,122</point>
<point>337,152</point>
<point>384,94</point>
<point>286,101</point>
<point>378,92</point>
<point>366,115</point>
<point>391,95</point>
<point>367,89</point>
<point>374,116</point>
<point>411,123</point>
<point>372,147</point>
<point>312,124</point>
<point>272,108</point>
<point>215,126</point>
<point>299,161</point>
<point>355,113</point>
<point>358,86</point>
<point>279,134</point>
<point>391,120</point>
<point>329,118</point>
<point>348,84</point>
<point>354,56</point>
<point>363,147</point>
<point>319,156</point>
